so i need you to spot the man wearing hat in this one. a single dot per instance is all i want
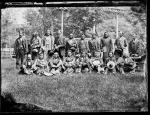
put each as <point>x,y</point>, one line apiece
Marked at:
<point>20,49</point>
<point>71,44</point>
<point>48,44</point>
<point>93,45</point>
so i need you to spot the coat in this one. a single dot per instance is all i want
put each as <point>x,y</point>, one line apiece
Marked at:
<point>93,45</point>
<point>21,46</point>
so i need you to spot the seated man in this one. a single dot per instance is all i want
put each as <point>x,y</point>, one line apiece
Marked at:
<point>85,63</point>
<point>40,65</point>
<point>97,62</point>
<point>27,67</point>
<point>69,63</point>
<point>120,64</point>
<point>110,61</point>
<point>77,64</point>
<point>55,64</point>
<point>129,65</point>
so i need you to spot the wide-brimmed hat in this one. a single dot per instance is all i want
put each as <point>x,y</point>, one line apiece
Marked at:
<point>111,64</point>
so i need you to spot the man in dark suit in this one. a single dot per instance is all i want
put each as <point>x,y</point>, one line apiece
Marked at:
<point>20,49</point>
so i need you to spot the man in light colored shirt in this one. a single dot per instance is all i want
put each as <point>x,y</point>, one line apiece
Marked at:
<point>48,43</point>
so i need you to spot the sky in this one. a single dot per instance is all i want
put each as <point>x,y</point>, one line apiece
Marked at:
<point>17,14</point>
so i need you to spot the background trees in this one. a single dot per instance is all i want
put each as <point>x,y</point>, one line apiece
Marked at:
<point>78,20</point>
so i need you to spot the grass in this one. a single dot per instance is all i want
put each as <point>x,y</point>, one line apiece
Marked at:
<point>76,92</point>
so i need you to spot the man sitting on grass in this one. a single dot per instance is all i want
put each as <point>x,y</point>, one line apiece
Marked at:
<point>129,65</point>
<point>85,63</point>
<point>120,64</point>
<point>41,66</point>
<point>110,63</point>
<point>69,63</point>
<point>55,64</point>
<point>78,64</point>
<point>27,67</point>
<point>97,62</point>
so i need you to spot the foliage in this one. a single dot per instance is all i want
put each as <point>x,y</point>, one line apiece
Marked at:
<point>78,20</point>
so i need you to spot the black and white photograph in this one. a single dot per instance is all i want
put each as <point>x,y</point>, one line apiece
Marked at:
<point>75,56</point>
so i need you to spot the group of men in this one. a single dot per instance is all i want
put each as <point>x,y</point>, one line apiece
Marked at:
<point>51,55</point>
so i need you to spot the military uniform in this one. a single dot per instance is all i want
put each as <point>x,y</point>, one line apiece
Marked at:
<point>20,48</point>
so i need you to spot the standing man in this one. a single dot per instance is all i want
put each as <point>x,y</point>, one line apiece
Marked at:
<point>106,46</point>
<point>83,45</point>
<point>35,43</point>
<point>48,44</point>
<point>20,48</point>
<point>60,44</point>
<point>121,43</point>
<point>93,45</point>
<point>133,46</point>
<point>71,44</point>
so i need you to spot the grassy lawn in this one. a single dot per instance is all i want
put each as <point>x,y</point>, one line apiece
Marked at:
<point>76,92</point>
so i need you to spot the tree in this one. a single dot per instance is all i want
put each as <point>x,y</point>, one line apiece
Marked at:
<point>7,27</point>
